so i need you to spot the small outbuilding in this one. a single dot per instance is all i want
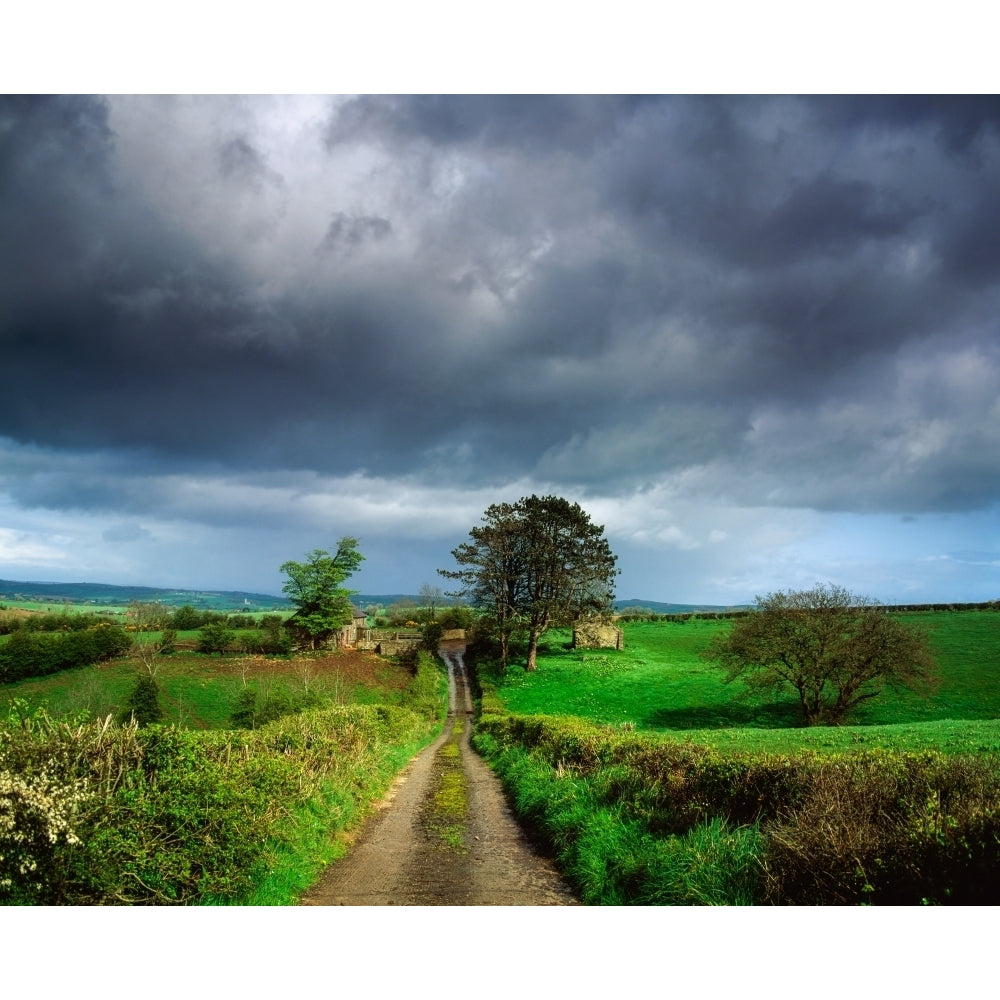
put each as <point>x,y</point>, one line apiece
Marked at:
<point>598,635</point>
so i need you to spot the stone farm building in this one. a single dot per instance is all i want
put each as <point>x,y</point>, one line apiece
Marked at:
<point>385,642</point>
<point>598,635</point>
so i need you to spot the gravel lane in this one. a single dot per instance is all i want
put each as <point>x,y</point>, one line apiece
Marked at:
<point>444,835</point>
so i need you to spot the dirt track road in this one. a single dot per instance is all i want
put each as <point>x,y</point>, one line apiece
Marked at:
<point>444,835</point>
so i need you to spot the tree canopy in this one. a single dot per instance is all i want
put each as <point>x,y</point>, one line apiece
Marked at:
<point>534,564</point>
<point>322,605</point>
<point>833,648</point>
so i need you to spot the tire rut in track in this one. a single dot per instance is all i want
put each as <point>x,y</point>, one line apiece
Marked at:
<point>444,835</point>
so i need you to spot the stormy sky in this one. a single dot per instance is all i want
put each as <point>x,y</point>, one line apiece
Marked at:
<point>758,339</point>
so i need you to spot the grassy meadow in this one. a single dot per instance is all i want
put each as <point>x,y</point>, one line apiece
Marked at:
<point>200,691</point>
<point>661,683</point>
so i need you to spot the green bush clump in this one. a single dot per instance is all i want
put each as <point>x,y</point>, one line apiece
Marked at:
<point>61,622</point>
<point>256,707</point>
<point>144,702</point>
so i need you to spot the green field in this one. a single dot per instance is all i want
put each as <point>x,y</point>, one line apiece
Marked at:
<point>198,691</point>
<point>660,682</point>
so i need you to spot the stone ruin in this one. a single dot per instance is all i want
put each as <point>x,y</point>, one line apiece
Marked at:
<point>598,635</point>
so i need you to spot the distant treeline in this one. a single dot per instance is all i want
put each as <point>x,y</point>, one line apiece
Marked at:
<point>647,615</point>
<point>62,622</point>
<point>154,618</point>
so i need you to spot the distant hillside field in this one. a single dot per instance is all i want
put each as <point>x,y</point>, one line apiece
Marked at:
<point>672,609</point>
<point>111,595</point>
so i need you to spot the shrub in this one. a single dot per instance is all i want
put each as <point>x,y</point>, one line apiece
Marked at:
<point>168,641</point>
<point>37,820</point>
<point>144,702</point>
<point>255,708</point>
<point>432,632</point>
<point>215,638</point>
<point>890,828</point>
<point>270,642</point>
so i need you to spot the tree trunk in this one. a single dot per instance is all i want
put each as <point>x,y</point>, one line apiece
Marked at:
<point>532,663</point>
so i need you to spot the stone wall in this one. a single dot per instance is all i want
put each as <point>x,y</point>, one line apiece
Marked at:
<point>596,635</point>
<point>393,647</point>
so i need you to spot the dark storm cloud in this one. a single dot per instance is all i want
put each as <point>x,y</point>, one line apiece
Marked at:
<point>346,232</point>
<point>955,120</point>
<point>768,295</point>
<point>494,121</point>
<point>238,158</point>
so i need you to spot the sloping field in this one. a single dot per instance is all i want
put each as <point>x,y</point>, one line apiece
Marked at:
<point>201,692</point>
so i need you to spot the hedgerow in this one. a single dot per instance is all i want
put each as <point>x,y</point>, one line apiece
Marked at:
<point>36,654</point>
<point>94,812</point>
<point>870,826</point>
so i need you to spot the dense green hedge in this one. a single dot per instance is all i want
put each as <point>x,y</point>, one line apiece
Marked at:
<point>872,826</point>
<point>93,812</point>
<point>97,813</point>
<point>36,654</point>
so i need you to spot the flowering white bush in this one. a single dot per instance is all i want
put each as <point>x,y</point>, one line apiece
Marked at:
<point>36,814</point>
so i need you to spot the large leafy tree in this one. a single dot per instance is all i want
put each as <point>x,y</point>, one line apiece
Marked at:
<point>833,648</point>
<point>322,605</point>
<point>535,564</point>
<point>492,573</point>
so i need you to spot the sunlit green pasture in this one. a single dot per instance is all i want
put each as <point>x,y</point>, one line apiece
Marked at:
<point>661,682</point>
<point>200,691</point>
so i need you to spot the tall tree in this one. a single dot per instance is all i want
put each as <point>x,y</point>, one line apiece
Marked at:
<point>492,576</point>
<point>833,648</point>
<point>536,564</point>
<point>322,605</point>
<point>430,598</point>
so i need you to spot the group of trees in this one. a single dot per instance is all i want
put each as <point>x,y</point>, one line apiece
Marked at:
<point>541,562</point>
<point>532,565</point>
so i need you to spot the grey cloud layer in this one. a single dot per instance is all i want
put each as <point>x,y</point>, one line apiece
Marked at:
<point>773,301</point>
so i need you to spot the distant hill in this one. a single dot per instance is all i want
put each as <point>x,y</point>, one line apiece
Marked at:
<point>109,595</point>
<point>673,609</point>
